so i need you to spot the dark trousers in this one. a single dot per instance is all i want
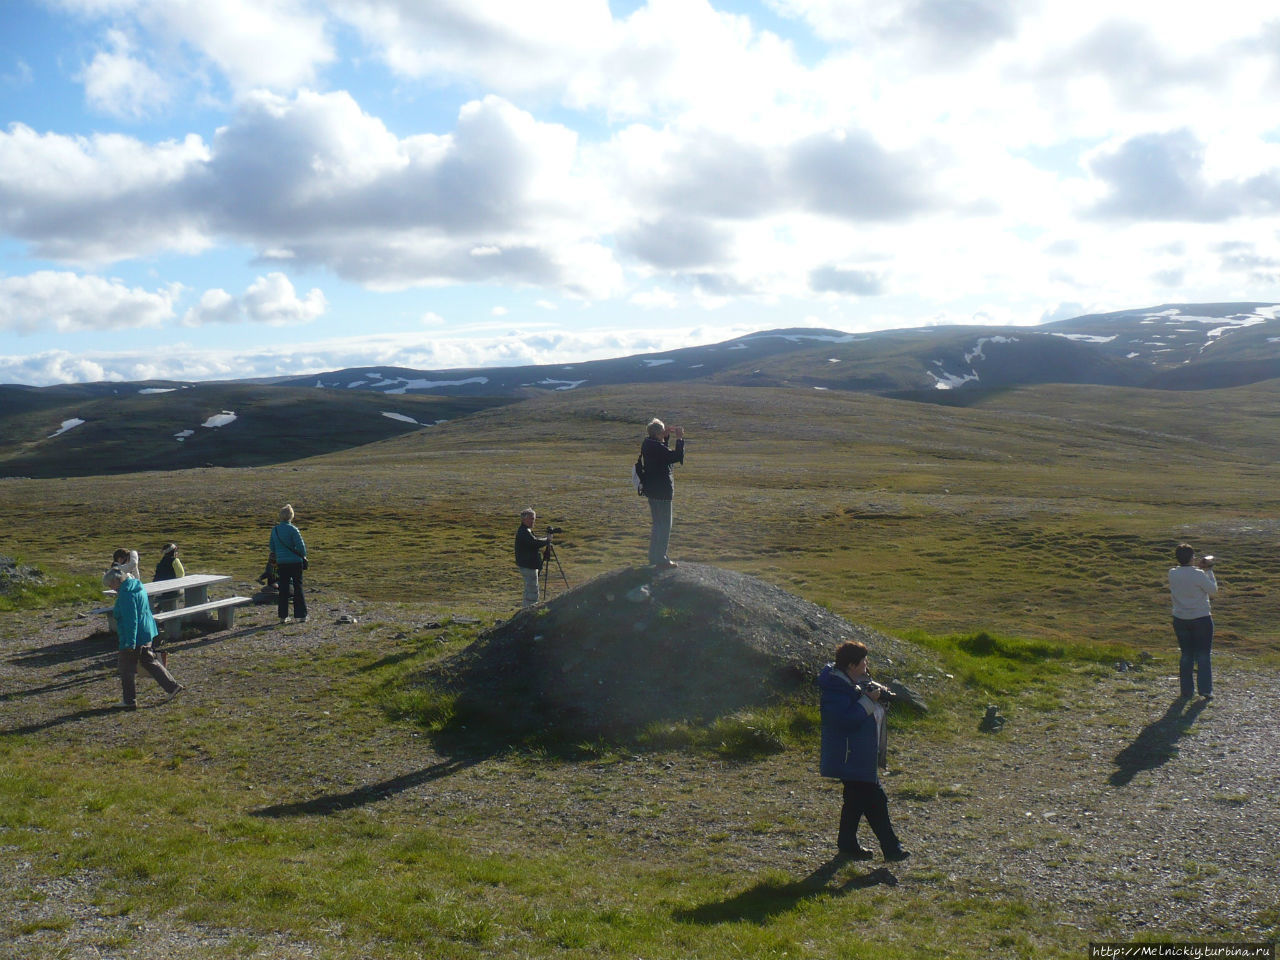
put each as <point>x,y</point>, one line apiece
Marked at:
<point>130,660</point>
<point>1195,641</point>
<point>291,582</point>
<point>869,800</point>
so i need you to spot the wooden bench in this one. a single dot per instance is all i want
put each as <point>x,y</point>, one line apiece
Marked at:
<point>170,621</point>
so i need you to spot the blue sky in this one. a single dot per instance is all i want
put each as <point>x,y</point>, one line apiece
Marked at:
<point>196,189</point>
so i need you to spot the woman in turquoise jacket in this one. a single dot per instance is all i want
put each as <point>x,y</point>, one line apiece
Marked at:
<point>290,552</point>
<point>136,629</point>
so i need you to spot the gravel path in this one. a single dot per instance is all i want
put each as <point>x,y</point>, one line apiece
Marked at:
<point>1125,814</point>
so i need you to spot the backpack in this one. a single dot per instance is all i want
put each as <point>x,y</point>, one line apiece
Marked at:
<point>637,475</point>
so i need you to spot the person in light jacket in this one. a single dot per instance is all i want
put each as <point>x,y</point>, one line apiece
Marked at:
<point>291,559</point>
<point>852,732</point>
<point>136,629</point>
<point>1191,585</point>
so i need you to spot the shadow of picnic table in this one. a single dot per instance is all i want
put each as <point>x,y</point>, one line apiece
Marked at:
<point>1157,742</point>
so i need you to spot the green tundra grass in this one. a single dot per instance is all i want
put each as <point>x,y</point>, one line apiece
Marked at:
<point>1043,520</point>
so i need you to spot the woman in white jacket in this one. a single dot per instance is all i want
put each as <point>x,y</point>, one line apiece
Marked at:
<point>1191,585</point>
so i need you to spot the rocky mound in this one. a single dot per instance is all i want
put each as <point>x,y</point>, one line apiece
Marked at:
<point>633,648</point>
<point>15,575</point>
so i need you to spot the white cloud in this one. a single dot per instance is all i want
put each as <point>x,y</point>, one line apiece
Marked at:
<point>271,300</point>
<point>272,44</point>
<point>66,302</point>
<point>120,85</point>
<point>509,347</point>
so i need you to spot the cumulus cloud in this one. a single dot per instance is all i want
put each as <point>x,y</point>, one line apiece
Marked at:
<point>834,279</point>
<point>315,179</point>
<point>99,199</point>
<point>414,351</point>
<point>68,302</point>
<point>272,44</point>
<point>1161,176</point>
<point>120,85</point>
<point>949,30</point>
<point>271,300</point>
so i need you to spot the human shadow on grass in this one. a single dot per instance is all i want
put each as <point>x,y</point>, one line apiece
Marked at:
<point>66,651</point>
<point>769,898</point>
<point>1157,743</point>
<point>76,717</point>
<point>369,793</point>
<point>86,676</point>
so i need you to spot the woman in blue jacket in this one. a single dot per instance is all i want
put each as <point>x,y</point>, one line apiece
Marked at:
<point>290,552</point>
<point>136,629</point>
<point>852,730</point>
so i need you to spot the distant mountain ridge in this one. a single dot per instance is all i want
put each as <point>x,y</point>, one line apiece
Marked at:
<point>1235,343</point>
<point>82,429</point>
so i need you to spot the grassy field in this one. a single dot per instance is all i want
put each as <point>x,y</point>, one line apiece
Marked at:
<point>1047,513</point>
<point>293,808</point>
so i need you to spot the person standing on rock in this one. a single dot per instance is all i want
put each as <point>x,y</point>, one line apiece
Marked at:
<point>1191,585</point>
<point>529,554</point>
<point>852,732</point>
<point>136,630</point>
<point>291,559</point>
<point>659,486</point>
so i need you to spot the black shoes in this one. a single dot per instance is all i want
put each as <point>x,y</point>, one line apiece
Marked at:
<point>893,856</point>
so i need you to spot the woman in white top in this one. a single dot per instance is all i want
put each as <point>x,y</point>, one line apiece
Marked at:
<point>1191,585</point>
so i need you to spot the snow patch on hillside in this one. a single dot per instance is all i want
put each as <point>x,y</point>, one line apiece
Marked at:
<point>401,417</point>
<point>220,419</point>
<point>976,352</point>
<point>66,425</point>
<point>182,435</point>
<point>949,381</point>
<point>405,385</point>
<point>1085,337</point>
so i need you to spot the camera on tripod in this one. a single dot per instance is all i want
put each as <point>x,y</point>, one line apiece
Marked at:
<point>555,530</point>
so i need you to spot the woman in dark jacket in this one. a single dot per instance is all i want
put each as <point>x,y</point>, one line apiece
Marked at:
<point>660,486</point>
<point>852,726</point>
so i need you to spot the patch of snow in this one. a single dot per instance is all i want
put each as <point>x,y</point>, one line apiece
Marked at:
<point>1085,337</point>
<point>798,337</point>
<point>1130,356</point>
<point>401,417</point>
<point>425,384</point>
<point>658,362</point>
<point>220,419</point>
<point>822,388</point>
<point>561,384</point>
<point>833,359</point>
<point>977,347</point>
<point>949,381</point>
<point>157,389</point>
<point>356,383</point>
<point>738,346</point>
<point>696,366</point>
<point>183,434</point>
<point>66,425</point>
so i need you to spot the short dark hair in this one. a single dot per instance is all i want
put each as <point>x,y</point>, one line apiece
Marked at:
<point>849,653</point>
<point>1184,553</point>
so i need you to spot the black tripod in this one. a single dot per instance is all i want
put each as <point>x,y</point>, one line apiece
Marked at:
<point>549,554</point>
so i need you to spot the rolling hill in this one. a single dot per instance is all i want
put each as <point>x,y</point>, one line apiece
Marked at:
<point>85,429</point>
